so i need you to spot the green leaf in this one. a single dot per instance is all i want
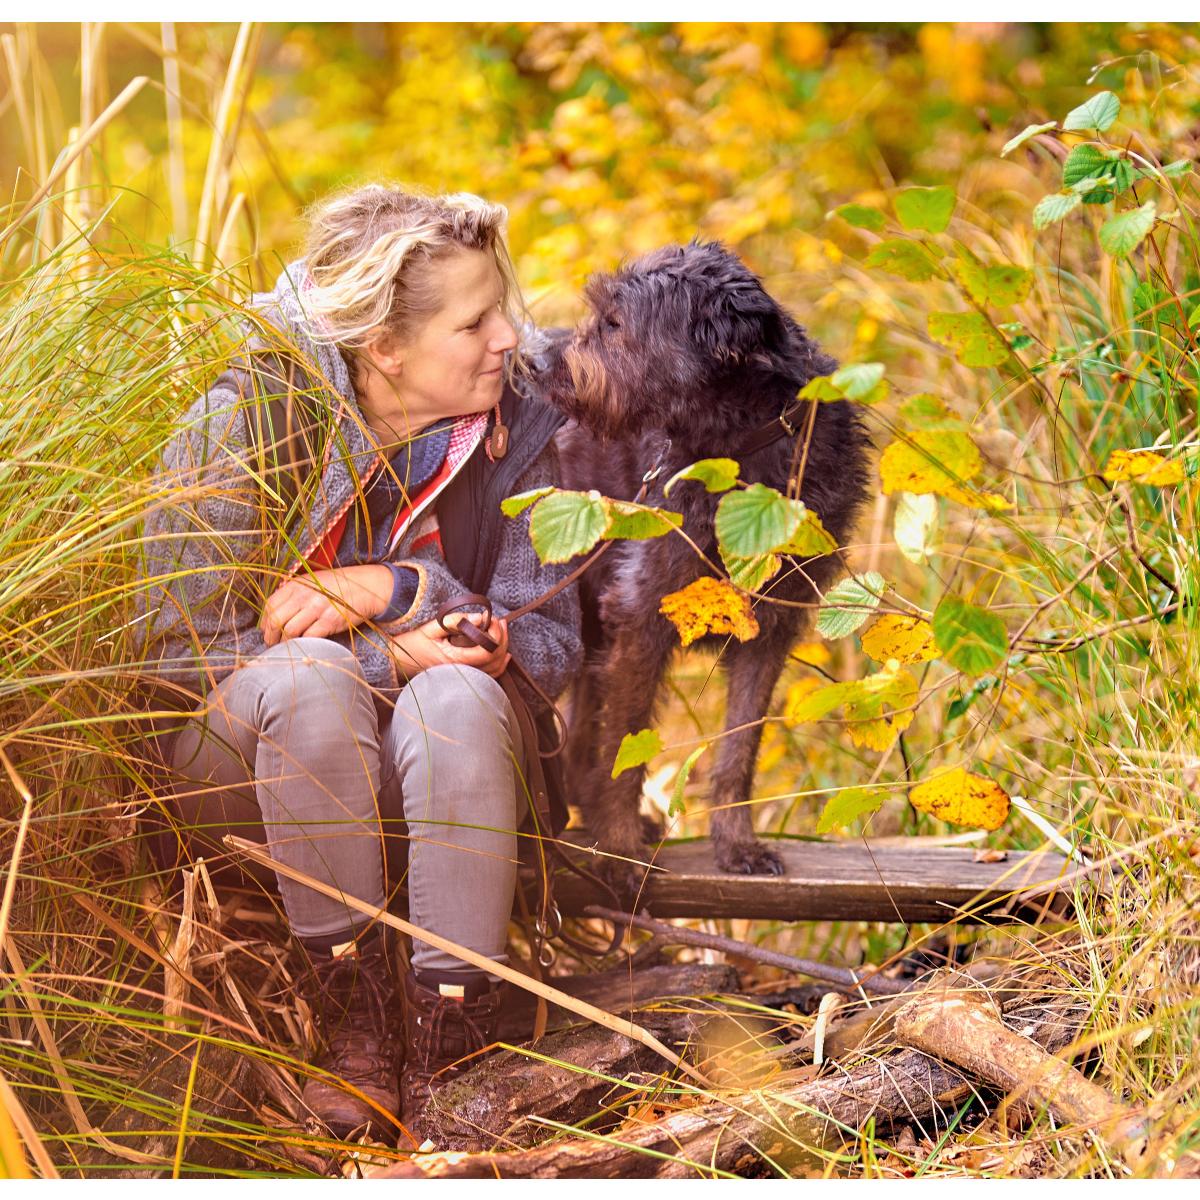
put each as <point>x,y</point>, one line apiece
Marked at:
<point>717,475</point>
<point>676,808</point>
<point>1123,175</point>
<point>926,208</point>
<point>1177,170</point>
<point>811,538</point>
<point>928,412</point>
<point>915,526</point>
<point>1054,207</point>
<point>1121,235</point>
<point>848,806</point>
<point>1085,162</point>
<point>970,336</point>
<point>962,703</point>
<point>997,286</point>
<point>909,260</point>
<point>636,523</point>
<point>970,638</point>
<point>1097,113</point>
<point>1024,136</point>
<point>515,505</point>
<point>636,750</point>
<point>814,705</point>
<point>565,524</point>
<point>756,521</point>
<point>847,605</point>
<point>860,216</point>
<point>751,573</point>
<point>821,389</point>
<point>857,381</point>
<point>1146,296</point>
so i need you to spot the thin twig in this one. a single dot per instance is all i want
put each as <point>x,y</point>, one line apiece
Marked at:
<point>840,976</point>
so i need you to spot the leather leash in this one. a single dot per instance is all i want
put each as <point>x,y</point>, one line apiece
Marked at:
<point>547,924</point>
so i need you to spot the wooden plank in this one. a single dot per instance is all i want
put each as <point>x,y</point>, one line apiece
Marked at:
<point>830,881</point>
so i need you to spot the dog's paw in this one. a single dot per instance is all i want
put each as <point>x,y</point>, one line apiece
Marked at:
<point>652,830</point>
<point>749,858</point>
<point>627,879</point>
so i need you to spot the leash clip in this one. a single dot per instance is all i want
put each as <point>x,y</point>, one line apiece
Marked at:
<point>783,420</point>
<point>551,926</point>
<point>656,470</point>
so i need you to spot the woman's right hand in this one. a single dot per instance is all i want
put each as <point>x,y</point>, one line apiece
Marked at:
<point>429,645</point>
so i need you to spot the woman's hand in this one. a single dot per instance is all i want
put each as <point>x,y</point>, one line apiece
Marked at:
<point>429,645</point>
<point>298,608</point>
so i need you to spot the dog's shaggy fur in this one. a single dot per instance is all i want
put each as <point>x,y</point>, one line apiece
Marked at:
<point>686,344</point>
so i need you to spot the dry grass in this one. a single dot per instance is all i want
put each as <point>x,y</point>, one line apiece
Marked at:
<point>102,339</point>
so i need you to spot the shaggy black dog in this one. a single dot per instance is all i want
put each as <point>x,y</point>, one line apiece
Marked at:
<point>685,356</point>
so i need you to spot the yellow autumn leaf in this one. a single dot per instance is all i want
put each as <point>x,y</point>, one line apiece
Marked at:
<point>876,709</point>
<point>815,654</point>
<point>774,747</point>
<point>961,798</point>
<point>794,709</point>
<point>709,606</point>
<point>906,639</point>
<point>929,460</point>
<point>1143,466</point>
<point>976,499</point>
<point>881,707</point>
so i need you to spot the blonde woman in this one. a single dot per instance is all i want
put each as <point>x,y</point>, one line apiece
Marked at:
<point>326,711</point>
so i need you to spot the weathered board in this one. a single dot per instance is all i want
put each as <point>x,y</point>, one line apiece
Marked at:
<point>835,881</point>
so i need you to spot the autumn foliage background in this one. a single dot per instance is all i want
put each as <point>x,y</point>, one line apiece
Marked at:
<point>604,141</point>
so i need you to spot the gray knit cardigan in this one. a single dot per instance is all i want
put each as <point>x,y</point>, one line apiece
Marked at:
<point>204,586</point>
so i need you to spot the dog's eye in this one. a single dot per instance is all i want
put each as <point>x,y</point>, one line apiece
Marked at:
<point>611,323</point>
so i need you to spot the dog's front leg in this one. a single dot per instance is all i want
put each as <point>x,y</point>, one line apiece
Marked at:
<point>625,685</point>
<point>753,670</point>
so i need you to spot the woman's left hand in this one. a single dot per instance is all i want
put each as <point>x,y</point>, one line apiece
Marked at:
<point>326,602</point>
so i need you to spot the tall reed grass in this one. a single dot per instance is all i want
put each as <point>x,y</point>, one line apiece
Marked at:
<point>105,339</point>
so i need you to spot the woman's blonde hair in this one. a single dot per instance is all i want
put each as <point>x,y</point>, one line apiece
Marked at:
<point>370,252</point>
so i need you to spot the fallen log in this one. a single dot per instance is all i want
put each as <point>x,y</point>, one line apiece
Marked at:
<point>575,1075</point>
<point>832,881</point>
<point>964,1028</point>
<point>768,1127</point>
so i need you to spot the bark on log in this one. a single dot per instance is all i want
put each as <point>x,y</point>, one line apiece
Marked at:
<point>771,1125</point>
<point>964,1028</point>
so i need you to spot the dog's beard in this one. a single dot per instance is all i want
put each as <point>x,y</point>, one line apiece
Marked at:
<point>589,397</point>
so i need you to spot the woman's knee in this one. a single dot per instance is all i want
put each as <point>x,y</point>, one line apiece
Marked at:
<point>456,722</point>
<point>313,675</point>
<point>446,696</point>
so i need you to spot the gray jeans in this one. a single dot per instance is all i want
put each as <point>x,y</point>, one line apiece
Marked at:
<point>291,750</point>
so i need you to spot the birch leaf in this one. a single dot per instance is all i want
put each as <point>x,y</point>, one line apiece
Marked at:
<point>961,798</point>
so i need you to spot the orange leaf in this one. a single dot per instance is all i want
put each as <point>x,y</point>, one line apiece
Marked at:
<point>709,606</point>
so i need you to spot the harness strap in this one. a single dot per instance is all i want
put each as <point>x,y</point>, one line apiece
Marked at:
<point>781,426</point>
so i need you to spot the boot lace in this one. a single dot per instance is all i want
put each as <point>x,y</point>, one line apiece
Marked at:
<point>353,1003</point>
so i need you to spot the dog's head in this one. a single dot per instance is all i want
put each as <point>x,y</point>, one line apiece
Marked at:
<point>674,339</point>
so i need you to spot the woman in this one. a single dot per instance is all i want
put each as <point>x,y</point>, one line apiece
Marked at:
<point>325,704</point>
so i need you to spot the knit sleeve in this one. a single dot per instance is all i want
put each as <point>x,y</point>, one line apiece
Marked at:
<point>207,560</point>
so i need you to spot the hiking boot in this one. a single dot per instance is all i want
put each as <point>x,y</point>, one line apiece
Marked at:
<point>352,994</point>
<point>449,1017</point>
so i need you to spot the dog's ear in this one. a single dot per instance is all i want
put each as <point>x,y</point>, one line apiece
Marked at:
<point>737,322</point>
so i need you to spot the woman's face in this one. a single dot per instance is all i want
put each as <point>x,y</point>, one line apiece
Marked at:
<point>454,364</point>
